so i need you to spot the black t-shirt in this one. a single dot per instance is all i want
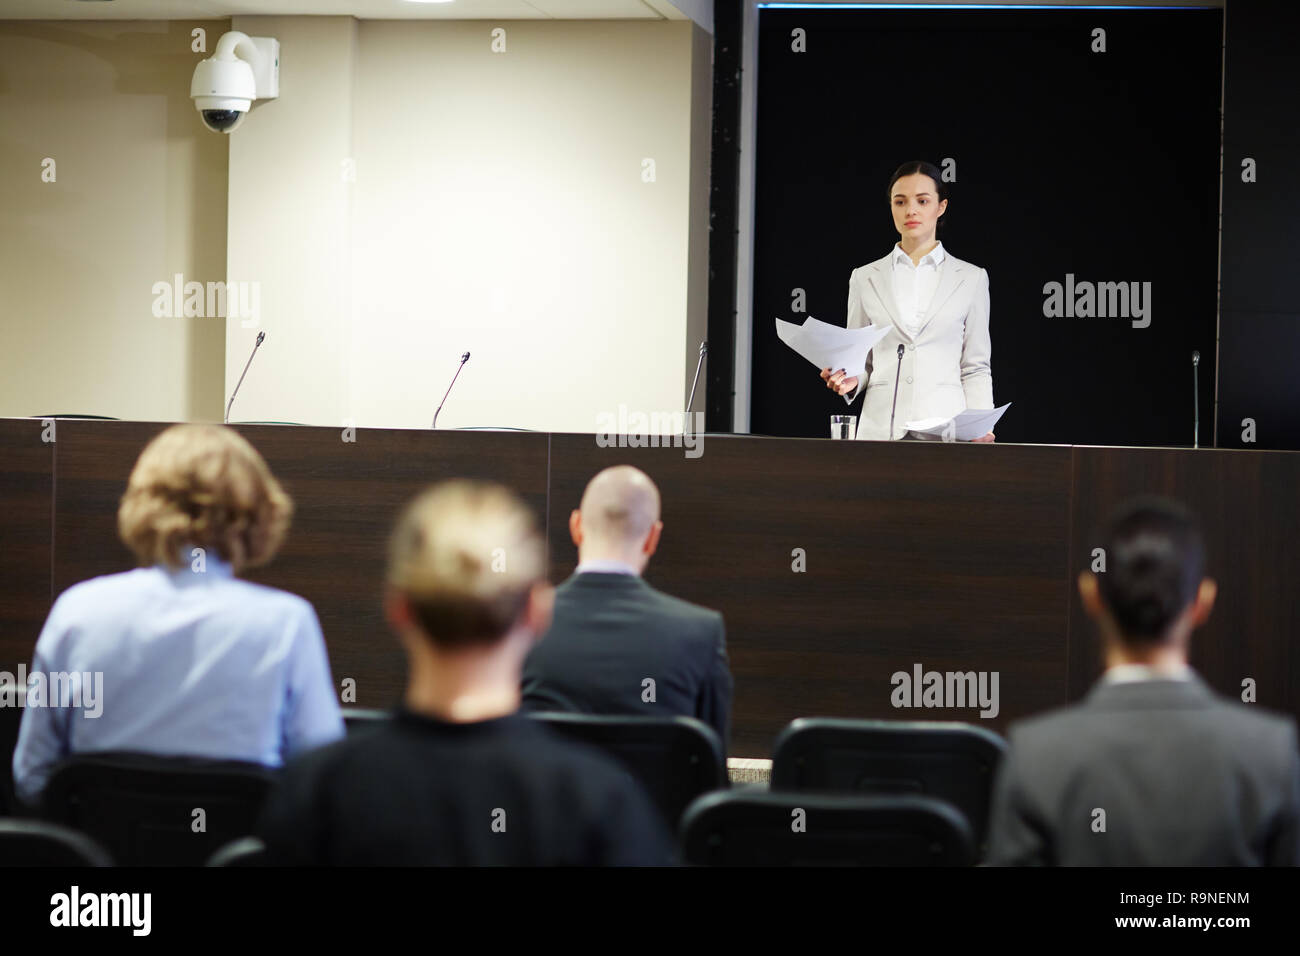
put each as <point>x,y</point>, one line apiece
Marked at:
<point>417,791</point>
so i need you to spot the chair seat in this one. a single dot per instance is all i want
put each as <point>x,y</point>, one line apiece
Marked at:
<point>751,828</point>
<point>38,843</point>
<point>157,811</point>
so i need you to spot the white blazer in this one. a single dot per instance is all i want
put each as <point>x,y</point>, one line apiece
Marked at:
<point>945,365</point>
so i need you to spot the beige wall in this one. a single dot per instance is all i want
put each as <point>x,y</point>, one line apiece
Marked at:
<point>498,208</point>
<point>290,230</point>
<point>140,195</point>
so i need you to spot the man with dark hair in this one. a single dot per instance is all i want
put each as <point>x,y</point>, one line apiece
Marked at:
<point>1152,768</point>
<point>616,644</point>
<point>459,777</point>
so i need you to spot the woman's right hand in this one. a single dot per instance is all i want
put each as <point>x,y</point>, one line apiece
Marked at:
<point>837,383</point>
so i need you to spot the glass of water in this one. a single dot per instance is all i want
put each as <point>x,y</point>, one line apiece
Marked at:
<point>844,426</point>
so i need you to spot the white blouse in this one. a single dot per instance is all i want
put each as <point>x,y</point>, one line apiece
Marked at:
<point>914,285</point>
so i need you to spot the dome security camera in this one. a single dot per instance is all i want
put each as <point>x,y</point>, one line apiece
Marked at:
<point>242,69</point>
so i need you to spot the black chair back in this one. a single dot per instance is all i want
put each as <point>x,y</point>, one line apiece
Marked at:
<point>157,811</point>
<point>361,719</point>
<point>37,843</point>
<point>246,851</point>
<point>752,828</point>
<point>676,759</point>
<point>12,699</point>
<point>952,761</point>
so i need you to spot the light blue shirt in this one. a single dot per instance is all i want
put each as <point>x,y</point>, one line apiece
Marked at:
<point>193,663</point>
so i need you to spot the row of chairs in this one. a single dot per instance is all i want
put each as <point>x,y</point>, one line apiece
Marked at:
<point>842,791</point>
<point>38,843</point>
<point>719,829</point>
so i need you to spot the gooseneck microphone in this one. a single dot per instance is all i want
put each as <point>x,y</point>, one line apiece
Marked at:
<point>897,373</point>
<point>463,359</point>
<point>704,350</point>
<point>1196,405</point>
<point>256,346</point>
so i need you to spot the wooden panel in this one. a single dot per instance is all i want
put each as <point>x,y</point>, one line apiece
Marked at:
<point>346,497</point>
<point>1249,509</point>
<point>957,557</point>
<point>26,499</point>
<point>94,460</point>
<point>952,556</point>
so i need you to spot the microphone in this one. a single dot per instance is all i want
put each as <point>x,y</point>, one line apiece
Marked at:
<point>256,346</point>
<point>463,359</point>
<point>704,350</point>
<point>897,373</point>
<point>1196,405</point>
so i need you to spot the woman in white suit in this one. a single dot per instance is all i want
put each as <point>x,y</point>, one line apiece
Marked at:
<point>937,308</point>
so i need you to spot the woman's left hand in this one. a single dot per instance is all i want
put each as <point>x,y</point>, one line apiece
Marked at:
<point>986,438</point>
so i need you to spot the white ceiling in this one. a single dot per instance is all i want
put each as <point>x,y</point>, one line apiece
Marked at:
<point>362,9</point>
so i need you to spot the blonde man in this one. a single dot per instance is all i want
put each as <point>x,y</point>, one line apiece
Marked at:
<point>459,777</point>
<point>180,657</point>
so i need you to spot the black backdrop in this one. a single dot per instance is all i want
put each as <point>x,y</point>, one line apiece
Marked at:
<point>1259,358</point>
<point>1104,165</point>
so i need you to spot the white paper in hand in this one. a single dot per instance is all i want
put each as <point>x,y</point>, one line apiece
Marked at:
<point>830,346</point>
<point>969,425</point>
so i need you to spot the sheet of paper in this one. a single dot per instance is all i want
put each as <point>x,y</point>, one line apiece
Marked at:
<point>970,424</point>
<point>830,346</point>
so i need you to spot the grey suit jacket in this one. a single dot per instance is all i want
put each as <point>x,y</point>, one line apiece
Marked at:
<point>1184,778</point>
<point>946,365</point>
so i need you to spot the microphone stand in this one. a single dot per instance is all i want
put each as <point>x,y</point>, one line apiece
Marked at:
<point>463,359</point>
<point>1196,405</point>
<point>704,350</point>
<point>897,372</point>
<point>256,346</point>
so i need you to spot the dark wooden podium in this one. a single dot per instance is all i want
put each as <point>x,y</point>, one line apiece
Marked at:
<point>956,557</point>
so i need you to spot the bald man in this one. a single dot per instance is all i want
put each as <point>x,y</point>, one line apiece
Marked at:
<point>617,645</point>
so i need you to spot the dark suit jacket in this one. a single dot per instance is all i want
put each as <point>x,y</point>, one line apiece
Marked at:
<point>612,631</point>
<point>1185,777</point>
